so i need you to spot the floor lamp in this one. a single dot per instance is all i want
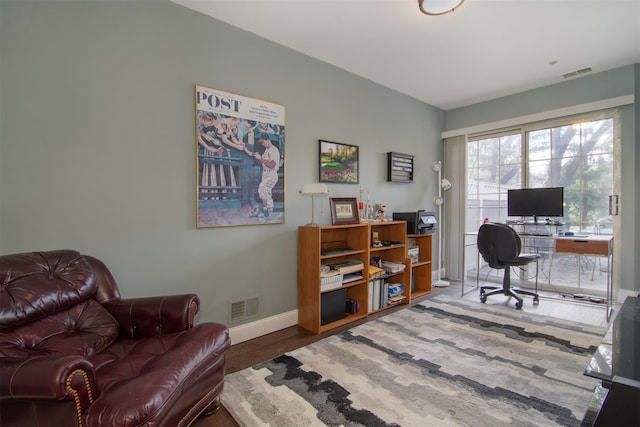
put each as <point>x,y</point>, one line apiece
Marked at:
<point>443,185</point>
<point>313,190</point>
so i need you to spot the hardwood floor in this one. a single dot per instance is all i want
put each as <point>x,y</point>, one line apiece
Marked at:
<point>249,353</point>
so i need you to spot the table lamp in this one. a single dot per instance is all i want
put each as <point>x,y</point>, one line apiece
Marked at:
<point>313,190</point>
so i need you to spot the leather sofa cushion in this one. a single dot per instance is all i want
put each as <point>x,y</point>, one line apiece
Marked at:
<point>139,378</point>
<point>36,285</point>
<point>85,329</point>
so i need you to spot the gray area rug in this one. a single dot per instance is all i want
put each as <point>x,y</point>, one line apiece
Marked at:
<point>445,362</point>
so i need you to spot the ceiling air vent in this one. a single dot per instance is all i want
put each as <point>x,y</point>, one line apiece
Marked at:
<point>577,73</point>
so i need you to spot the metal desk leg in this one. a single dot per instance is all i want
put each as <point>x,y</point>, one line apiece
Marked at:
<point>609,286</point>
<point>464,271</point>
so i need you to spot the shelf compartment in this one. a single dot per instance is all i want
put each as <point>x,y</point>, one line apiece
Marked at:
<point>344,321</point>
<point>347,254</point>
<point>386,248</point>
<point>421,271</point>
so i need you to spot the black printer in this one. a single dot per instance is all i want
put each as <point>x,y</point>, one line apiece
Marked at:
<point>419,222</point>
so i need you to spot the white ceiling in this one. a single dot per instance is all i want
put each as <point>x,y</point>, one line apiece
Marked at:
<point>484,50</point>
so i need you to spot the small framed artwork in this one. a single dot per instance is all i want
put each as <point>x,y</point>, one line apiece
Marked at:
<point>344,210</point>
<point>338,163</point>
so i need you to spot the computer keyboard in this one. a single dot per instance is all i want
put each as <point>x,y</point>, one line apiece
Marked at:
<point>537,234</point>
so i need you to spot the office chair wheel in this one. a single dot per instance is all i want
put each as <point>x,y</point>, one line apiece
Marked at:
<point>483,298</point>
<point>536,299</point>
<point>519,305</point>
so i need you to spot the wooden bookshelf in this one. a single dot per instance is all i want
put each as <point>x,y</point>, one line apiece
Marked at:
<point>329,244</point>
<point>319,244</point>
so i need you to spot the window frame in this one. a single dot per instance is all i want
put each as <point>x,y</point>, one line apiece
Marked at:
<point>474,215</point>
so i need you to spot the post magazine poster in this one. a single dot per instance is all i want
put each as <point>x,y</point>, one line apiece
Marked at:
<point>240,159</point>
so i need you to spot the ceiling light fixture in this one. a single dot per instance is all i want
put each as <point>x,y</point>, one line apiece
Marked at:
<point>438,7</point>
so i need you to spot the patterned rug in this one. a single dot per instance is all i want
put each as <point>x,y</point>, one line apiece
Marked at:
<point>445,362</point>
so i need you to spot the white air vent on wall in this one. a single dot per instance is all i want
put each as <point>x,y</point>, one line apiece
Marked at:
<point>243,309</point>
<point>576,73</point>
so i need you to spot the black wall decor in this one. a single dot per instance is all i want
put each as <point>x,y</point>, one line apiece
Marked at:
<point>399,167</point>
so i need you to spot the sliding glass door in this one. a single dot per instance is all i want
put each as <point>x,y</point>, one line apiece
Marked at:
<point>578,154</point>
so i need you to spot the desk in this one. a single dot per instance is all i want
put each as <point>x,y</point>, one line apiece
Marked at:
<point>594,245</point>
<point>618,353</point>
<point>617,365</point>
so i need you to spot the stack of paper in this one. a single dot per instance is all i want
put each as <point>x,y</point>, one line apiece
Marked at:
<point>392,267</point>
<point>347,266</point>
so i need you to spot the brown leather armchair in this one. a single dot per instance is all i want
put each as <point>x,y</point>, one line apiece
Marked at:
<point>72,352</point>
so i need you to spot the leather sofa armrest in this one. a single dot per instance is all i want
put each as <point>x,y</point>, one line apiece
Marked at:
<point>52,377</point>
<point>154,316</point>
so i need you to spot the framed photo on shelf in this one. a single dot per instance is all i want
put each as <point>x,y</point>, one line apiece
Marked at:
<point>344,210</point>
<point>338,163</point>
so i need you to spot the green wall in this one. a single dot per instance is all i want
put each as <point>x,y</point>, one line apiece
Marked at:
<point>97,148</point>
<point>97,144</point>
<point>585,90</point>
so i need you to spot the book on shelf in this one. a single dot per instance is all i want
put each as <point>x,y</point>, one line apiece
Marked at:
<point>351,277</point>
<point>353,306</point>
<point>396,299</point>
<point>396,289</point>
<point>375,287</point>
<point>384,300</point>
<point>378,294</point>
<point>395,293</point>
<point>346,266</point>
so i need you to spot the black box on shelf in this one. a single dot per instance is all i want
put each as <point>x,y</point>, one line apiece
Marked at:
<point>333,306</point>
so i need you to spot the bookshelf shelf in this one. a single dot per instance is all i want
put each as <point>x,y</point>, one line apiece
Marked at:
<point>341,255</point>
<point>336,244</point>
<point>422,269</point>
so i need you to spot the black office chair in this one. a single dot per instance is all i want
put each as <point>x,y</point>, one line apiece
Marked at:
<point>500,247</point>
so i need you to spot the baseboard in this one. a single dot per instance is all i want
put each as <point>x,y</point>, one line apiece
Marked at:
<point>248,331</point>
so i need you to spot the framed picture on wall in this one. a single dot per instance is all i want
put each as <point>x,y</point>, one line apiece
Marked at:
<point>338,163</point>
<point>239,159</point>
<point>344,210</point>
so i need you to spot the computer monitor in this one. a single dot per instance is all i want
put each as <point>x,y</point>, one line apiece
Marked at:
<point>535,202</point>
